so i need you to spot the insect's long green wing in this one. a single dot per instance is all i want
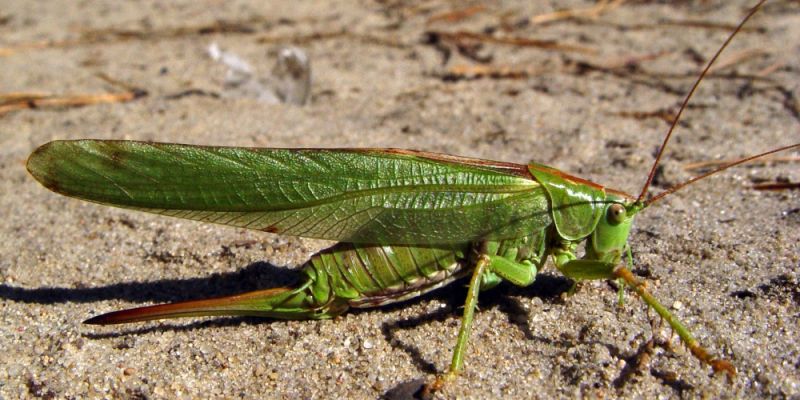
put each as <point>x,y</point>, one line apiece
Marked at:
<point>354,195</point>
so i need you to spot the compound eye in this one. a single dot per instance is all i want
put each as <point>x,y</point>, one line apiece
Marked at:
<point>616,213</point>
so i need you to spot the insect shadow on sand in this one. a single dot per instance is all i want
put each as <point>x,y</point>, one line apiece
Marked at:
<point>549,288</point>
<point>507,299</point>
<point>255,276</point>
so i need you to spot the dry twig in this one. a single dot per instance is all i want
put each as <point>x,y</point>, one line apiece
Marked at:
<point>16,101</point>
<point>461,37</point>
<point>595,11</point>
<point>459,72</point>
<point>96,36</point>
<point>455,15</point>
<point>776,186</point>
<point>736,58</point>
<point>334,34</point>
<point>664,115</point>
<point>35,100</point>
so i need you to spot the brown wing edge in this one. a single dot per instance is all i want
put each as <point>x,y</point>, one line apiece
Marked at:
<point>498,166</point>
<point>578,180</point>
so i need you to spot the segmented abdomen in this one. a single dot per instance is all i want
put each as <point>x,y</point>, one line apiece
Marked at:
<point>362,275</point>
<point>373,275</point>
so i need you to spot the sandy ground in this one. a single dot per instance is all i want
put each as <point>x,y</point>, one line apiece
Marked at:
<point>722,256</point>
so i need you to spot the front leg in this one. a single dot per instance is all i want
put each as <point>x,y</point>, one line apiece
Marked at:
<point>580,269</point>
<point>591,269</point>
<point>521,274</point>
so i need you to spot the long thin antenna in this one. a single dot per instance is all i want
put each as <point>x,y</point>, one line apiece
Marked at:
<point>720,169</point>
<point>652,173</point>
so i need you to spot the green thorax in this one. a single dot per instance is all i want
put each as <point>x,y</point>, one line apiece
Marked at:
<point>583,210</point>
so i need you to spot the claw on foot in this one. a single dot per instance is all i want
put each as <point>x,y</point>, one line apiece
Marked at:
<point>717,364</point>
<point>723,366</point>
<point>439,383</point>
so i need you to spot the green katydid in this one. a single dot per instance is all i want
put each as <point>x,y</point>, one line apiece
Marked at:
<point>408,222</point>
